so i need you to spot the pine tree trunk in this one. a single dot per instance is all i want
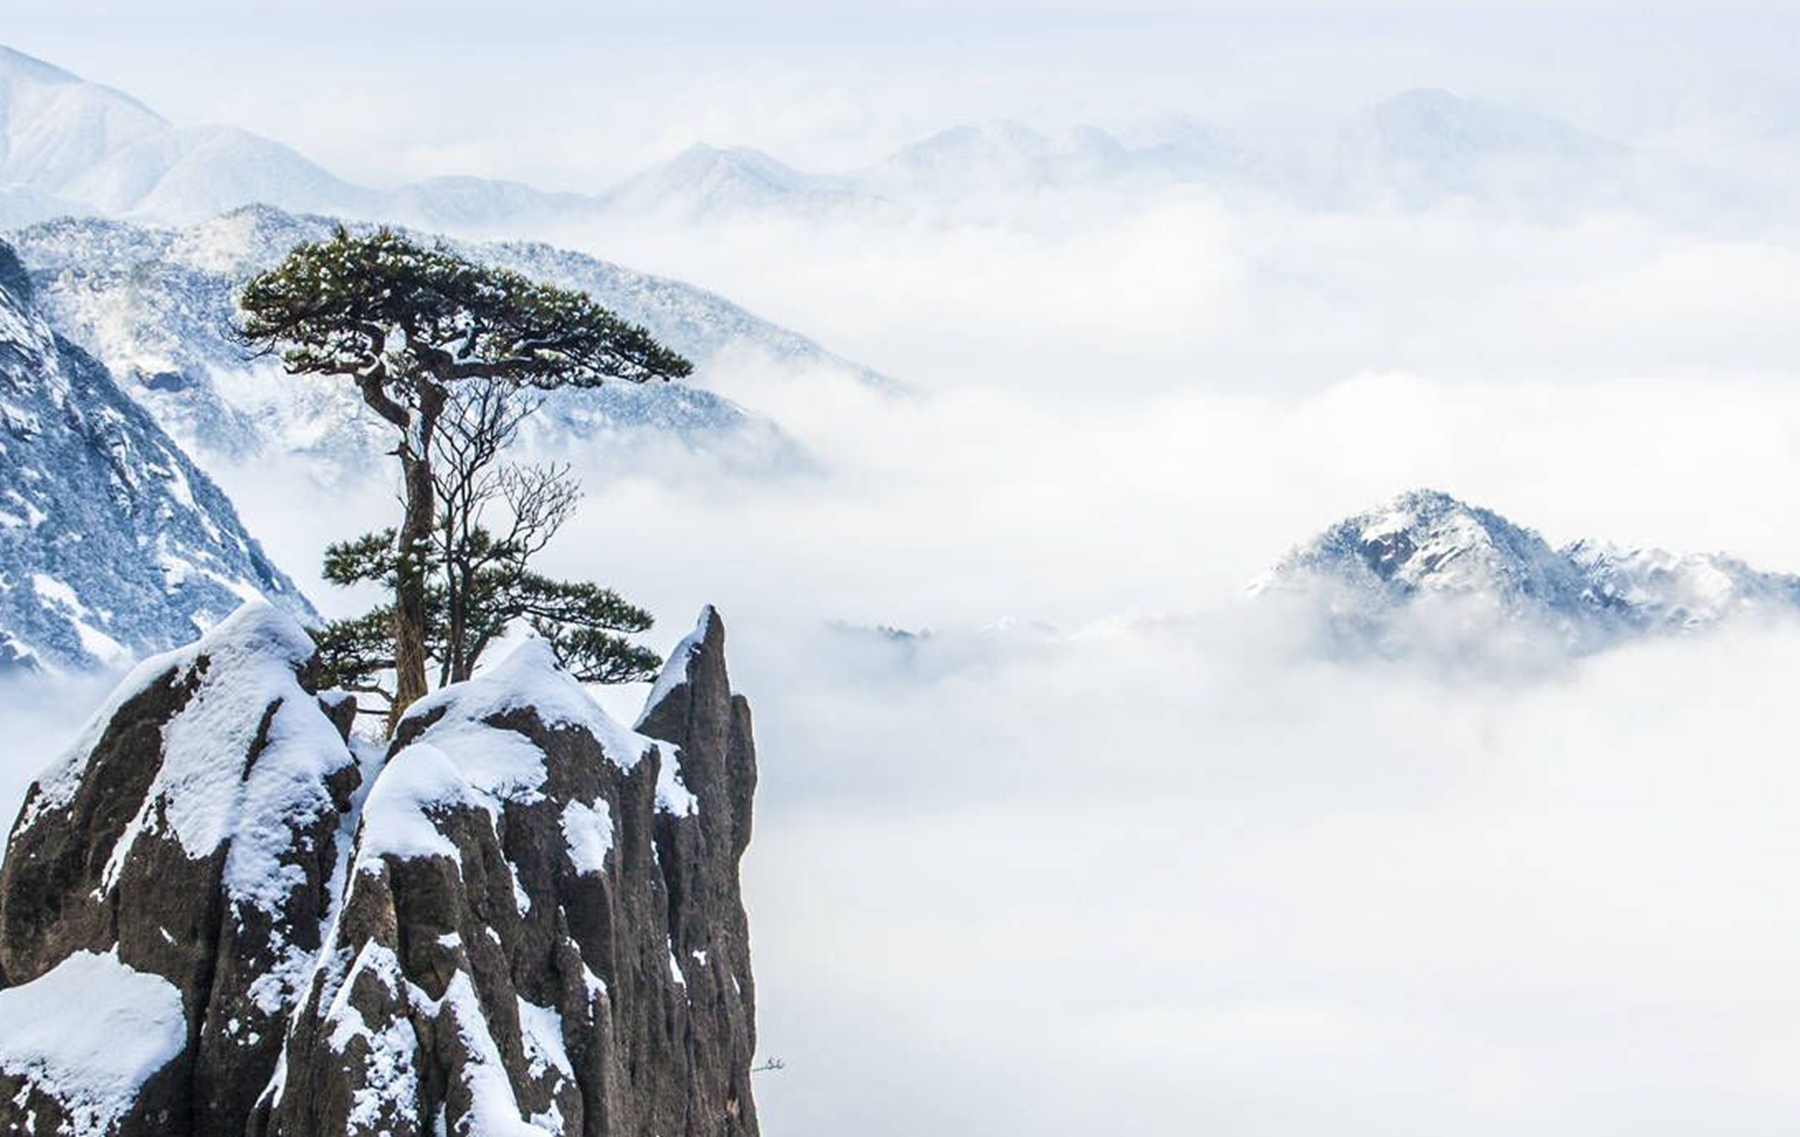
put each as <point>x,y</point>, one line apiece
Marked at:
<point>410,616</point>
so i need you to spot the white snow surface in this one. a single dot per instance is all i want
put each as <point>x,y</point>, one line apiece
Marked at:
<point>462,760</point>
<point>675,672</point>
<point>392,1085</point>
<point>493,1108</point>
<point>396,818</point>
<point>528,678</point>
<point>588,830</point>
<point>90,1032</point>
<point>542,1028</point>
<point>202,792</point>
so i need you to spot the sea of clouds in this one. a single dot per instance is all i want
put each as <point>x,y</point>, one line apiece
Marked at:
<point>1099,846</point>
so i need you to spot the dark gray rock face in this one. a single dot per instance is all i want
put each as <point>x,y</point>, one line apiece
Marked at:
<point>527,922</point>
<point>192,835</point>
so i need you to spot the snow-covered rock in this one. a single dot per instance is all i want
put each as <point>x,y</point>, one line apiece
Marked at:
<point>112,542</point>
<point>81,1041</point>
<point>190,837</point>
<point>1677,591</point>
<point>519,917</point>
<point>155,304</point>
<point>1426,570</point>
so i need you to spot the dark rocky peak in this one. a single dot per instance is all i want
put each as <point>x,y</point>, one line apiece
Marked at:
<point>528,921</point>
<point>180,855</point>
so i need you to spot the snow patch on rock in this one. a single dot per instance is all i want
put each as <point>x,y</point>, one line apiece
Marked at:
<point>89,1033</point>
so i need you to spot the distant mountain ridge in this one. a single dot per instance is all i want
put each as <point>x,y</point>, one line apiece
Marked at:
<point>156,304</point>
<point>71,147</point>
<point>1428,564</point>
<point>113,543</point>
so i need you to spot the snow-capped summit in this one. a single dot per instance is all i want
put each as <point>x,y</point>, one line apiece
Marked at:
<point>1427,566</point>
<point>1427,541</point>
<point>70,146</point>
<point>54,126</point>
<point>704,181</point>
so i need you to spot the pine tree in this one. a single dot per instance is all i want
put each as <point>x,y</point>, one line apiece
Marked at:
<point>411,327</point>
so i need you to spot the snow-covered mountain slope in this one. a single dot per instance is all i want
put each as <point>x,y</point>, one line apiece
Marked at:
<point>55,127</point>
<point>709,181</point>
<point>70,147</point>
<point>1432,125</point>
<point>1182,145</point>
<point>1676,591</point>
<point>112,542</point>
<point>1428,570</point>
<point>155,305</point>
<point>195,171</point>
<point>461,204</point>
<point>98,151</point>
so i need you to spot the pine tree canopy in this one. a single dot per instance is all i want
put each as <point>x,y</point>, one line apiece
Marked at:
<point>392,312</point>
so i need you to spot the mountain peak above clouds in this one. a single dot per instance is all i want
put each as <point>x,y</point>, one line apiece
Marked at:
<point>55,127</point>
<point>1430,124</point>
<point>70,147</point>
<point>1426,564</point>
<point>706,180</point>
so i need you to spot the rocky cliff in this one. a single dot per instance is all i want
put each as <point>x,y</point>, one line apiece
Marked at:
<point>222,915</point>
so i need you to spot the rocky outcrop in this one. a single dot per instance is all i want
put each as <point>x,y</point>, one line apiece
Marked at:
<point>517,918</point>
